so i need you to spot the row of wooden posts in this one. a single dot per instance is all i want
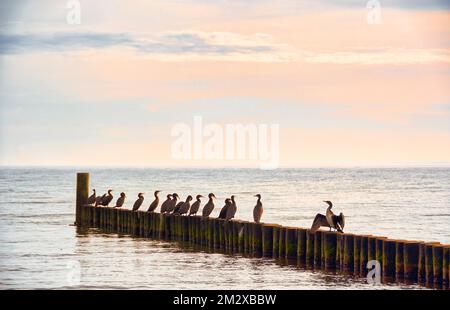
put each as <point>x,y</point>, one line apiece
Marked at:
<point>400,260</point>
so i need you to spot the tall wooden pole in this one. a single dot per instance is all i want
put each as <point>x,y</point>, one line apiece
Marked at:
<point>82,195</point>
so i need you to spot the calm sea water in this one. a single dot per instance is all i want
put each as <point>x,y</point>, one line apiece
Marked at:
<point>39,247</point>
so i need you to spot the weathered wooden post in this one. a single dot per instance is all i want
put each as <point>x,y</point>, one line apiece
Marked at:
<point>82,196</point>
<point>241,238</point>
<point>429,262</point>
<point>399,259</point>
<point>257,239</point>
<point>216,234</point>
<point>282,242</point>
<point>309,259</point>
<point>329,245</point>
<point>363,255</point>
<point>438,252</point>
<point>267,240</point>
<point>388,265</point>
<point>371,249</point>
<point>276,241</point>
<point>356,254</point>
<point>421,263</point>
<point>317,249</point>
<point>410,260</point>
<point>445,266</point>
<point>301,246</point>
<point>211,234</point>
<point>379,249</point>
<point>291,242</point>
<point>347,262</point>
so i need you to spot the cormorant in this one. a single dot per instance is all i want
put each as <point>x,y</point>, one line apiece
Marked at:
<point>91,199</point>
<point>155,203</point>
<point>120,200</point>
<point>329,220</point>
<point>138,202</point>
<point>108,198</point>
<point>196,205</point>
<point>99,199</point>
<point>231,210</point>
<point>209,207</point>
<point>224,210</point>
<point>166,203</point>
<point>184,209</point>
<point>258,210</point>
<point>176,211</point>
<point>173,203</point>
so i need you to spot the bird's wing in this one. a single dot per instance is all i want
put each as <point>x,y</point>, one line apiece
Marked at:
<point>319,220</point>
<point>342,220</point>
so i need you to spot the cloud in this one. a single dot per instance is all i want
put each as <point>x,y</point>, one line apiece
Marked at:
<point>170,46</point>
<point>382,56</point>
<point>215,46</point>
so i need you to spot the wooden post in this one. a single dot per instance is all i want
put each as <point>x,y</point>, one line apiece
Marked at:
<point>329,244</point>
<point>399,259</point>
<point>257,239</point>
<point>282,243</point>
<point>371,249</point>
<point>388,265</point>
<point>379,249</point>
<point>317,249</point>
<point>291,242</point>
<point>445,266</point>
<point>356,254</point>
<point>267,240</point>
<point>438,252</point>
<point>82,195</point>
<point>221,234</point>
<point>216,234</point>
<point>429,262</point>
<point>241,237</point>
<point>309,259</point>
<point>301,246</point>
<point>246,233</point>
<point>347,263</point>
<point>421,263</point>
<point>363,256</point>
<point>276,241</point>
<point>410,260</point>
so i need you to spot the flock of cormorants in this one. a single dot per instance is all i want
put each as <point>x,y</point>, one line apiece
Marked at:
<point>172,205</point>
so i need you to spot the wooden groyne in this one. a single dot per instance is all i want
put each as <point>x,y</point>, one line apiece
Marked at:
<point>424,263</point>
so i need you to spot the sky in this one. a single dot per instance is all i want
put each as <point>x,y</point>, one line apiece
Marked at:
<point>109,90</point>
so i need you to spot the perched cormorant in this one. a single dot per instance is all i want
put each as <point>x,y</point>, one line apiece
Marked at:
<point>155,203</point>
<point>108,198</point>
<point>329,220</point>
<point>231,210</point>
<point>184,209</point>
<point>209,207</point>
<point>120,200</point>
<point>224,210</point>
<point>99,199</point>
<point>166,203</point>
<point>196,205</point>
<point>176,211</point>
<point>173,203</point>
<point>138,202</point>
<point>91,199</point>
<point>258,210</point>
